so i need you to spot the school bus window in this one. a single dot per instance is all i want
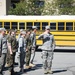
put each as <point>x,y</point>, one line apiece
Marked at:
<point>53,26</point>
<point>29,25</point>
<point>74,25</point>
<point>21,25</point>
<point>37,24</point>
<point>7,25</point>
<point>60,25</point>
<point>14,25</point>
<point>44,24</point>
<point>69,25</point>
<point>0,24</point>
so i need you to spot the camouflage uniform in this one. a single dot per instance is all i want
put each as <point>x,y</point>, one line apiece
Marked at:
<point>3,51</point>
<point>33,38</point>
<point>8,55</point>
<point>47,50</point>
<point>18,54</point>
<point>28,52</point>
<point>22,50</point>
<point>11,60</point>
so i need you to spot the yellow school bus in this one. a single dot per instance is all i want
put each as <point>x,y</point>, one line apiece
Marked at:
<point>62,27</point>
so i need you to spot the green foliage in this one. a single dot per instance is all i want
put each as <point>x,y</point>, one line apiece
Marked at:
<point>48,9</point>
<point>59,7</point>
<point>51,7</point>
<point>26,7</point>
<point>66,7</point>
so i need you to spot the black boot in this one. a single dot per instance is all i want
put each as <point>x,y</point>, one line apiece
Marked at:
<point>21,70</point>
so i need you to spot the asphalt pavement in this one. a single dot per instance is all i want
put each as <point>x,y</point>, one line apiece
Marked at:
<point>63,64</point>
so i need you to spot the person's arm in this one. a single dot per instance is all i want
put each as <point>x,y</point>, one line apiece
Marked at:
<point>0,46</point>
<point>9,45</point>
<point>33,39</point>
<point>20,41</point>
<point>26,43</point>
<point>40,37</point>
<point>53,43</point>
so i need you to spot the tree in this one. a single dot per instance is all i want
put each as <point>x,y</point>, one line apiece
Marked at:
<point>66,7</point>
<point>26,7</point>
<point>49,8</point>
<point>59,7</point>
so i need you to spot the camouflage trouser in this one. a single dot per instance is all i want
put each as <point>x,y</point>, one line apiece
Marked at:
<point>28,56</point>
<point>32,55</point>
<point>11,60</point>
<point>47,57</point>
<point>2,62</point>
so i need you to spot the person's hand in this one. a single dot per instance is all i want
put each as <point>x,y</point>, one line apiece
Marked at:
<point>11,53</point>
<point>26,50</point>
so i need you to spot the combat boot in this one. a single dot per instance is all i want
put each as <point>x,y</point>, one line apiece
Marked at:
<point>32,65</point>
<point>45,72</point>
<point>21,70</point>
<point>27,67</point>
<point>49,72</point>
<point>0,73</point>
<point>7,65</point>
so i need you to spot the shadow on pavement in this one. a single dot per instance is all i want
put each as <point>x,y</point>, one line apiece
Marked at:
<point>60,50</point>
<point>58,71</point>
<point>38,66</point>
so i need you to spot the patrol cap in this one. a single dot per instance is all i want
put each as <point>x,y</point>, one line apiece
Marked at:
<point>2,29</point>
<point>47,27</point>
<point>23,32</point>
<point>34,27</point>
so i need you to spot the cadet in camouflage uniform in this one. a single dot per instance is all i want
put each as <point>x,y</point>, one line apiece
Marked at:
<point>22,50</point>
<point>18,52</point>
<point>12,46</point>
<point>47,49</point>
<point>7,58</point>
<point>33,38</point>
<point>3,49</point>
<point>28,48</point>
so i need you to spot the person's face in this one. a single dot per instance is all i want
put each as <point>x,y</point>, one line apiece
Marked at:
<point>24,35</point>
<point>3,32</point>
<point>35,30</point>
<point>48,30</point>
<point>13,33</point>
<point>29,33</point>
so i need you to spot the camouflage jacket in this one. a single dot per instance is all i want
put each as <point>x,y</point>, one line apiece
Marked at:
<point>13,42</point>
<point>28,42</point>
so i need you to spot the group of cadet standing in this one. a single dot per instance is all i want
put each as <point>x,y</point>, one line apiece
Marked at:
<point>25,45</point>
